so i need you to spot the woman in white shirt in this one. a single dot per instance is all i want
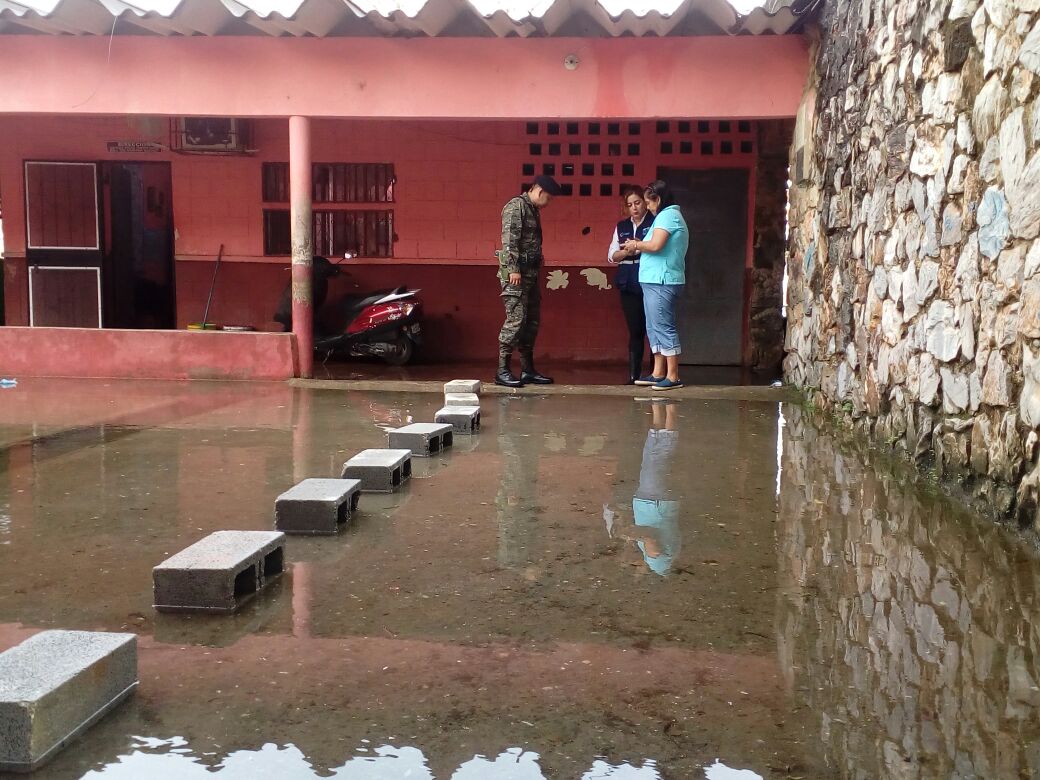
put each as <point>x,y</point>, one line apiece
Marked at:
<point>635,226</point>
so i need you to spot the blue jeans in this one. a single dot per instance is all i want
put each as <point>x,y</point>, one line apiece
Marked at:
<point>660,302</point>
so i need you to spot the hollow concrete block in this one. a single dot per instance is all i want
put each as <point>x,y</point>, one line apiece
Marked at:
<point>54,686</point>
<point>317,506</point>
<point>219,573</point>
<point>423,439</point>
<point>379,470</point>
<point>464,420</point>
<point>461,399</point>
<point>463,386</point>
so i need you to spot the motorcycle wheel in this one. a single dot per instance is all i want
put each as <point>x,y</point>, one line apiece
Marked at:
<point>404,348</point>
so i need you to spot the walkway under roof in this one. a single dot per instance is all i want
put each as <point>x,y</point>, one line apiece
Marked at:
<point>401,18</point>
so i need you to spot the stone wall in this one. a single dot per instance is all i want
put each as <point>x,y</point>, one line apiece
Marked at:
<point>915,208</point>
<point>766,321</point>
<point>906,625</point>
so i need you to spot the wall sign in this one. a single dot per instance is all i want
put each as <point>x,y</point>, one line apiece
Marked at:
<point>135,146</point>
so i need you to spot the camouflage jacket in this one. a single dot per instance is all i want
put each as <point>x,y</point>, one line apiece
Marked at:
<point>521,236</point>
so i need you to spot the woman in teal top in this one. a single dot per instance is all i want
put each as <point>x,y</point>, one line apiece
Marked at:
<point>662,275</point>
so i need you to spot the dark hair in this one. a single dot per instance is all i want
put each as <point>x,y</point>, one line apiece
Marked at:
<point>662,191</point>
<point>630,189</point>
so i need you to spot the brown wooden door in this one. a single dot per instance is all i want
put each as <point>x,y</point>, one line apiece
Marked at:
<point>63,243</point>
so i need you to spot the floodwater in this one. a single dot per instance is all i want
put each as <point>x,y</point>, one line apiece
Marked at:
<point>591,588</point>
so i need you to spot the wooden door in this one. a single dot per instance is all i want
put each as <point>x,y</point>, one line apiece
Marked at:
<point>63,243</point>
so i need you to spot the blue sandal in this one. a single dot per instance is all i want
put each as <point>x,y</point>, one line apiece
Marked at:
<point>648,381</point>
<point>667,384</point>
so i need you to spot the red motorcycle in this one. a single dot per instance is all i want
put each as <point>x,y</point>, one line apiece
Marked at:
<point>385,324</point>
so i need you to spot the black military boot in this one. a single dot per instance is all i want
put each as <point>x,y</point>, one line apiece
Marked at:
<point>505,376</point>
<point>529,374</point>
<point>635,366</point>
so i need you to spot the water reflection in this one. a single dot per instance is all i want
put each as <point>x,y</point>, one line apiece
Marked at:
<point>172,759</point>
<point>911,629</point>
<point>653,525</point>
<point>516,502</point>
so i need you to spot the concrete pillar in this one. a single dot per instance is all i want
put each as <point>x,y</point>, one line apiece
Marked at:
<point>301,230</point>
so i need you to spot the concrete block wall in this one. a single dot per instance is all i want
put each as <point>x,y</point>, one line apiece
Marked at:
<point>914,297</point>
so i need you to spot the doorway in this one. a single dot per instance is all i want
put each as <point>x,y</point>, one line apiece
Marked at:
<point>714,203</point>
<point>139,265</point>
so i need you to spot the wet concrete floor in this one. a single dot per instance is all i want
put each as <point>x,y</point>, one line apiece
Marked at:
<point>591,588</point>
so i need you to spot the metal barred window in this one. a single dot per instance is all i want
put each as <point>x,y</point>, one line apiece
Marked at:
<point>363,233</point>
<point>334,182</point>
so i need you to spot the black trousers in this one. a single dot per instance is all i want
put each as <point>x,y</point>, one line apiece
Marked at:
<point>635,319</point>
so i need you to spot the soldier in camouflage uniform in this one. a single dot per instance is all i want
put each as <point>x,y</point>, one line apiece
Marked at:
<point>520,265</point>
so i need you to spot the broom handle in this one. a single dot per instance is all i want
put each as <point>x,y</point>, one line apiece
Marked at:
<point>213,284</point>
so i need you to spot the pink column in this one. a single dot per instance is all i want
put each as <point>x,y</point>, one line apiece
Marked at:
<point>301,230</point>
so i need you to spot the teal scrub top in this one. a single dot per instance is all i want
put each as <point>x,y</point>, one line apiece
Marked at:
<point>669,265</point>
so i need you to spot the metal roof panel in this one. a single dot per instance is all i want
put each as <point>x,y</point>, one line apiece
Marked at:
<point>523,18</point>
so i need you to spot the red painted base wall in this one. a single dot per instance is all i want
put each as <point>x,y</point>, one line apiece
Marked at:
<point>462,304</point>
<point>146,354</point>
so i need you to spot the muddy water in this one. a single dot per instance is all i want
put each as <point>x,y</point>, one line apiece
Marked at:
<point>591,588</point>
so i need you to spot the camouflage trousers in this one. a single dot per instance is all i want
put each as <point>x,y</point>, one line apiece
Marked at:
<point>523,304</point>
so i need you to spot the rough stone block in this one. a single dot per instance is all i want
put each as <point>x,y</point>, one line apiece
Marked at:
<point>422,439</point>
<point>317,506</point>
<point>54,686</point>
<point>463,419</point>
<point>461,399</point>
<point>462,386</point>
<point>219,573</point>
<point>380,471</point>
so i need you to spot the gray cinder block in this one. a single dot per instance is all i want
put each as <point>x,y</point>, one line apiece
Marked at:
<point>54,686</point>
<point>463,419</point>
<point>423,439</point>
<point>219,573</point>
<point>380,471</point>
<point>317,506</point>
<point>461,399</point>
<point>462,386</point>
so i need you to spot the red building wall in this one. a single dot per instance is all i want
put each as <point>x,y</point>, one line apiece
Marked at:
<point>452,180</point>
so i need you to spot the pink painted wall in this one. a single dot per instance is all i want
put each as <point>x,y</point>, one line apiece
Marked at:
<point>453,178</point>
<point>747,77</point>
<point>146,354</point>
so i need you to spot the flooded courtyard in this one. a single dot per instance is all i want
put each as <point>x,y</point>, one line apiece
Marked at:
<point>590,588</point>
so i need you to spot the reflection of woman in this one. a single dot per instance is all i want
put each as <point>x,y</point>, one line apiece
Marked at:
<point>655,510</point>
<point>636,225</point>
<point>662,275</point>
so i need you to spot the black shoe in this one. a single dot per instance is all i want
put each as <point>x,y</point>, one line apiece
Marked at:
<point>532,377</point>
<point>506,379</point>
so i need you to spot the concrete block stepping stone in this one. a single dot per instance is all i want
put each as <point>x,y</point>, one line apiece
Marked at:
<point>380,471</point>
<point>219,573</point>
<point>317,506</point>
<point>54,686</point>
<point>423,439</point>
<point>462,386</point>
<point>464,420</point>
<point>461,399</point>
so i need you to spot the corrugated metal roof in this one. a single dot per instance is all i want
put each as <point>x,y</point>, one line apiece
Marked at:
<point>394,18</point>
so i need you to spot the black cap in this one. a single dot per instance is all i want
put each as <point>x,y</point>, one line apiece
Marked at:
<point>548,183</point>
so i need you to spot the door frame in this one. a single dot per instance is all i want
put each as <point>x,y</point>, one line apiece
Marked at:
<point>107,261</point>
<point>749,244</point>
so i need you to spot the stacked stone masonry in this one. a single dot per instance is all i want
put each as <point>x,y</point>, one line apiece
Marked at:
<point>910,640</point>
<point>914,259</point>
